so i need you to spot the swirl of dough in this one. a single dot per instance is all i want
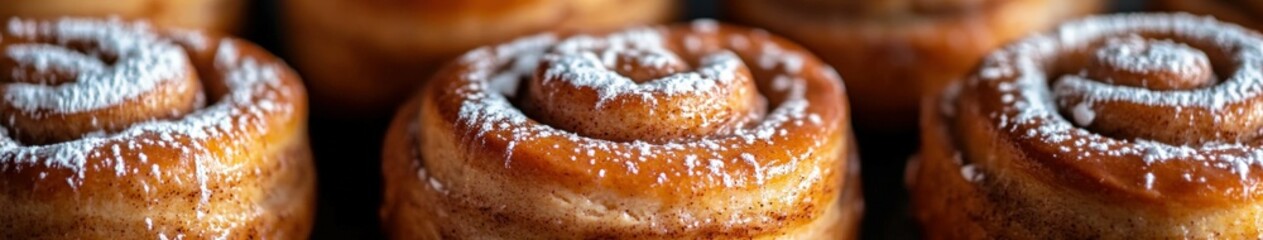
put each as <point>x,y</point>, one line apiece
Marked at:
<point>1128,126</point>
<point>646,132</point>
<point>68,72</point>
<point>116,129</point>
<point>628,86</point>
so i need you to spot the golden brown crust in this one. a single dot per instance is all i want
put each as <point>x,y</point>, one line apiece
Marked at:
<point>884,47</point>
<point>221,16</point>
<point>455,169</point>
<point>237,166</point>
<point>1044,140</point>
<point>365,57</point>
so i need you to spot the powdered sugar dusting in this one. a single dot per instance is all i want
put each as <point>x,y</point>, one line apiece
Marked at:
<point>1136,54</point>
<point>586,61</point>
<point>254,93</point>
<point>971,173</point>
<point>143,61</point>
<point>706,25</point>
<point>1020,72</point>
<point>1083,114</point>
<point>489,114</point>
<point>1166,55</point>
<point>774,56</point>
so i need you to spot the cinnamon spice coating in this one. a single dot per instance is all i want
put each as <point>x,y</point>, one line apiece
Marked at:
<point>121,130</point>
<point>617,136</point>
<point>1138,126</point>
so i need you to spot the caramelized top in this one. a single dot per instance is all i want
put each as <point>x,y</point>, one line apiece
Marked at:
<point>1161,107</point>
<point>664,112</point>
<point>88,102</point>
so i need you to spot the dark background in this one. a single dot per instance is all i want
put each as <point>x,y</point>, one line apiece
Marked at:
<point>348,153</point>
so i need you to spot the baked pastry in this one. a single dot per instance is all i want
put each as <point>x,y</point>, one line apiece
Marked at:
<point>690,131</point>
<point>118,130</point>
<point>890,52</point>
<point>223,16</point>
<point>1244,12</point>
<point>1115,127</point>
<point>373,54</point>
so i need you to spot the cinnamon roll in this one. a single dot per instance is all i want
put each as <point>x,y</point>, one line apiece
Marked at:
<point>892,52</point>
<point>222,16</point>
<point>1118,127</point>
<point>112,129</point>
<point>365,57</point>
<point>690,131</point>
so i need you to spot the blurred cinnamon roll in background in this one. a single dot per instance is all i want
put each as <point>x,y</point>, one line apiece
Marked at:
<point>1247,13</point>
<point>1118,127</point>
<point>689,131</point>
<point>890,52</point>
<point>116,129</point>
<point>221,16</point>
<point>365,57</point>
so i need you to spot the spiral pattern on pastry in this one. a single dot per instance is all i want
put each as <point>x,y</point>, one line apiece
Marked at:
<point>1125,126</point>
<point>115,129</point>
<point>893,52</point>
<point>660,132</point>
<point>219,16</point>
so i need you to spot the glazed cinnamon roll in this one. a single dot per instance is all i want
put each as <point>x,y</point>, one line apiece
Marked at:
<point>118,130</point>
<point>690,131</point>
<point>222,16</point>
<point>366,57</point>
<point>1244,12</point>
<point>891,52</point>
<point>1117,127</point>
